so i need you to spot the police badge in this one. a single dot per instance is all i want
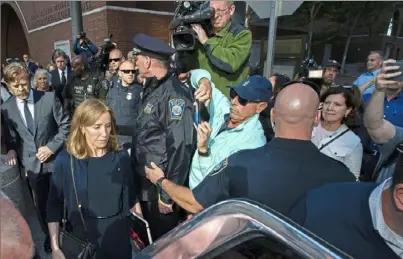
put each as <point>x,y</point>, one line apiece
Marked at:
<point>105,84</point>
<point>129,96</point>
<point>89,89</point>
<point>148,108</point>
<point>176,106</point>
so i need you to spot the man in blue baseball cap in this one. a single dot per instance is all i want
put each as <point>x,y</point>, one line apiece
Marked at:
<point>233,125</point>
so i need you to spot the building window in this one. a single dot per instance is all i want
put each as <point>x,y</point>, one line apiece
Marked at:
<point>393,23</point>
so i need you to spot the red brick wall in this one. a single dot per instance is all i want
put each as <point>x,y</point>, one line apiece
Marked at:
<point>125,25</point>
<point>13,41</point>
<point>42,42</point>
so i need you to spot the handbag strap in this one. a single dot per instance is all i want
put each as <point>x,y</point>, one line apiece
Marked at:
<point>64,220</point>
<point>332,140</point>
<point>75,191</point>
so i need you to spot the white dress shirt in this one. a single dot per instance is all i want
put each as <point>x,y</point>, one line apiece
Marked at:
<point>346,149</point>
<point>30,102</point>
<point>60,74</point>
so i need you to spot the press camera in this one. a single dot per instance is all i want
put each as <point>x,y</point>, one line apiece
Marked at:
<point>187,13</point>
<point>311,71</point>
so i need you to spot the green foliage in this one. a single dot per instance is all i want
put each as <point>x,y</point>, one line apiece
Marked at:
<point>348,16</point>
<point>302,15</point>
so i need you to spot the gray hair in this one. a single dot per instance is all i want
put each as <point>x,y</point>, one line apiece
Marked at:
<point>15,236</point>
<point>40,72</point>
<point>59,53</point>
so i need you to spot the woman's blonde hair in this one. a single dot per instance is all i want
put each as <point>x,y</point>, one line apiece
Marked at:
<point>86,114</point>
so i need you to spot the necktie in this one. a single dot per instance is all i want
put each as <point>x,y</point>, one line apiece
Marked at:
<point>63,78</point>
<point>28,118</point>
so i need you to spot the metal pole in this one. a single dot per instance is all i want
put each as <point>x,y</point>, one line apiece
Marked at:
<point>76,17</point>
<point>274,13</point>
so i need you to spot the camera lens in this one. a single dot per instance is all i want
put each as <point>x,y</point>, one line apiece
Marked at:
<point>186,40</point>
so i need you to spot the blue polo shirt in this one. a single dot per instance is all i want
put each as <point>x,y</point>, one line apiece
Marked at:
<point>393,109</point>
<point>364,78</point>
<point>223,141</point>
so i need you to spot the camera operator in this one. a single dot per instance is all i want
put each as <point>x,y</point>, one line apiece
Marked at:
<point>226,54</point>
<point>84,47</point>
<point>331,69</point>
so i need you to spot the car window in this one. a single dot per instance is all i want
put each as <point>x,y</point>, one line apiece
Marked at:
<point>259,248</point>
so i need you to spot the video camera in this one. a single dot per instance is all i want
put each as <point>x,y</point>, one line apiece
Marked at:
<point>311,71</point>
<point>187,13</point>
<point>101,60</point>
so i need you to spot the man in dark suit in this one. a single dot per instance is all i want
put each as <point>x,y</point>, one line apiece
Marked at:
<point>38,127</point>
<point>30,65</point>
<point>62,75</point>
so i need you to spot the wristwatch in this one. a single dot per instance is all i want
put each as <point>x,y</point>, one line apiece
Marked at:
<point>159,182</point>
<point>207,153</point>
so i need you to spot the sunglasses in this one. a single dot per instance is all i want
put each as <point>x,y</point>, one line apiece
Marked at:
<point>241,100</point>
<point>127,71</point>
<point>114,59</point>
<point>344,86</point>
<point>311,84</point>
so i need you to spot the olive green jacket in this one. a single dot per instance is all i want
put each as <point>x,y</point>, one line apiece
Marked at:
<point>226,56</point>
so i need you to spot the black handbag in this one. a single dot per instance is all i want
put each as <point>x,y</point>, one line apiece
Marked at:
<point>71,246</point>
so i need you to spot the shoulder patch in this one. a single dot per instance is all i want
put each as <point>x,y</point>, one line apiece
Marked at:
<point>218,168</point>
<point>176,107</point>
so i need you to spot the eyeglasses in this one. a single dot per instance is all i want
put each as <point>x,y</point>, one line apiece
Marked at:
<point>127,71</point>
<point>114,59</point>
<point>221,12</point>
<point>314,86</point>
<point>241,100</point>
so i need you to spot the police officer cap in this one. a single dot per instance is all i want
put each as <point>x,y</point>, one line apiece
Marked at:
<point>332,63</point>
<point>152,47</point>
<point>254,88</point>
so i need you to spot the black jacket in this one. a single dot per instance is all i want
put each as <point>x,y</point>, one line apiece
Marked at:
<point>165,133</point>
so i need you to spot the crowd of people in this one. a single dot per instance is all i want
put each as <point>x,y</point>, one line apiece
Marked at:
<point>166,142</point>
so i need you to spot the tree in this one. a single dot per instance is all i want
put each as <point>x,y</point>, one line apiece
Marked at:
<point>350,16</point>
<point>306,14</point>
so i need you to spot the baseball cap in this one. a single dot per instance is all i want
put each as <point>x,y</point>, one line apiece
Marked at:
<point>254,88</point>
<point>332,63</point>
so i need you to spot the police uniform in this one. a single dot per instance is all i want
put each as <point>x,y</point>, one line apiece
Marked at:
<point>277,175</point>
<point>164,134</point>
<point>79,90</point>
<point>124,103</point>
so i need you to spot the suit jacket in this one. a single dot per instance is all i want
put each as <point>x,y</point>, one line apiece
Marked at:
<point>57,83</point>
<point>52,125</point>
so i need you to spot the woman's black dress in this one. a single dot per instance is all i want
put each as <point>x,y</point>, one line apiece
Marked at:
<point>109,235</point>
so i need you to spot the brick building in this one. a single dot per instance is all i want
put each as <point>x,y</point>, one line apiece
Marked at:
<point>33,27</point>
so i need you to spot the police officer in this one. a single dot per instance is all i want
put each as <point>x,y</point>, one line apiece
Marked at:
<point>277,174</point>
<point>124,100</point>
<point>164,132</point>
<point>83,86</point>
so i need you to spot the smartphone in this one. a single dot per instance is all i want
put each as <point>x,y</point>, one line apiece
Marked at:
<point>197,118</point>
<point>141,228</point>
<point>400,64</point>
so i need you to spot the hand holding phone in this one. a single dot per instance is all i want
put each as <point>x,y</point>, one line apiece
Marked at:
<point>399,63</point>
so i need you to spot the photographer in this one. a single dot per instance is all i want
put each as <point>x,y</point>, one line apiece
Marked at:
<point>84,47</point>
<point>225,55</point>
